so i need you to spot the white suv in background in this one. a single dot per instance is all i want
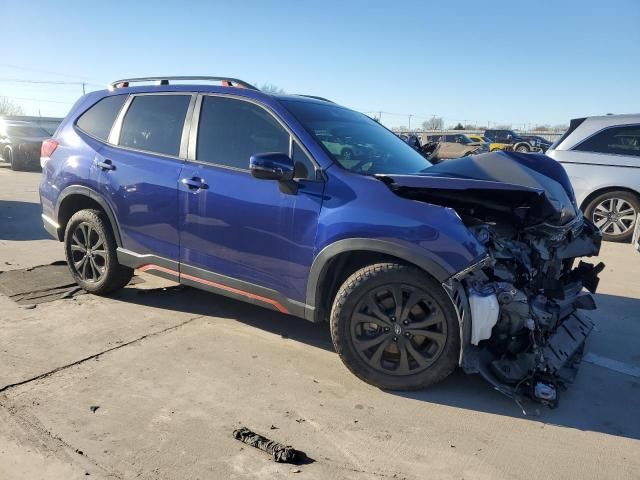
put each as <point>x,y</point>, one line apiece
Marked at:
<point>602,157</point>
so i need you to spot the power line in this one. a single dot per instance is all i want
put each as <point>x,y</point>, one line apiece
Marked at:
<point>38,70</point>
<point>48,82</point>
<point>36,100</point>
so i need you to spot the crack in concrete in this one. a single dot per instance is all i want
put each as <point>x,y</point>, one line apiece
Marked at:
<point>96,355</point>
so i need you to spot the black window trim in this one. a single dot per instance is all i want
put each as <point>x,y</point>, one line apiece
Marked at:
<point>116,130</point>
<point>122,107</point>
<point>195,122</point>
<point>623,125</point>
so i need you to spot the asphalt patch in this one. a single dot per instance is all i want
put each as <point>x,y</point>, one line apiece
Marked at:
<point>41,284</point>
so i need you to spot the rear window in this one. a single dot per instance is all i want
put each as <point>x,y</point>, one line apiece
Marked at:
<point>98,120</point>
<point>154,123</point>
<point>617,140</point>
<point>575,123</point>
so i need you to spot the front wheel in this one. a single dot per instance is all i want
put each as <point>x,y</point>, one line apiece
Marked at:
<point>522,149</point>
<point>90,249</point>
<point>394,327</point>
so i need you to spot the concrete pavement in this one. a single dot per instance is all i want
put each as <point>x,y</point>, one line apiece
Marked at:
<point>174,371</point>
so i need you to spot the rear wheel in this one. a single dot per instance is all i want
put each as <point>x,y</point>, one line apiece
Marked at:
<point>522,148</point>
<point>394,327</point>
<point>90,250</point>
<point>13,162</point>
<point>614,213</point>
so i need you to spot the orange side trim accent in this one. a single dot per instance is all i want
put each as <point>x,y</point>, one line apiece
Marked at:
<point>221,286</point>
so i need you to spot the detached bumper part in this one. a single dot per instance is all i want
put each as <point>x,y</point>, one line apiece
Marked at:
<point>559,353</point>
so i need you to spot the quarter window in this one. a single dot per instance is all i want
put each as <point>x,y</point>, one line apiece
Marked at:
<point>154,123</point>
<point>230,131</point>
<point>618,140</point>
<point>98,120</point>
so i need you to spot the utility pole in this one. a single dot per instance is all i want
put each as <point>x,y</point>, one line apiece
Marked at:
<point>83,89</point>
<point>410,121</point>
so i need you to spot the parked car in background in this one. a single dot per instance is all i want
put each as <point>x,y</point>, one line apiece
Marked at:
<point>635,240</point>
<point>517,142</point>
<point>233,190</point>
<point>492,146</point>
<point>602,157</point>
<point>21,138</point>
<point>454,146</point>
<point>541,142</point>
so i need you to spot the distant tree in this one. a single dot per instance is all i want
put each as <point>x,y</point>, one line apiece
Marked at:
<point>434,123</point>
<point>459,126</point>
<point>272,89</point>
<point>542,128</point>
<point>7,107</point>
<point>505,126</point>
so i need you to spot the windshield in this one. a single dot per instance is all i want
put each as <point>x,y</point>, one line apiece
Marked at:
<point>356,142</point>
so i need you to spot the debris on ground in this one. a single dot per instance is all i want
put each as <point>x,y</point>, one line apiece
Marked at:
<point>93,408</point>
<point>280,453</point>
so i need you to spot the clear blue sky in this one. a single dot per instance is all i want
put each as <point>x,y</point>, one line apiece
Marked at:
<point>506,62</point>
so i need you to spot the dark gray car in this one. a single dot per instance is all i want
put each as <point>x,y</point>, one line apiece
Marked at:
<point>21,138</point>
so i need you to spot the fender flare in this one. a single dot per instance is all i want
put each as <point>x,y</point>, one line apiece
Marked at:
<point>414,255</point>
<point>95,196</point>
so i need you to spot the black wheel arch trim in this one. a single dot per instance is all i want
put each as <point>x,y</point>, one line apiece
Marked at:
<point>95,196</point>
<point>319,268</point>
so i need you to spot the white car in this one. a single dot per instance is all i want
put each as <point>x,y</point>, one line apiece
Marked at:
<point>602,157</point>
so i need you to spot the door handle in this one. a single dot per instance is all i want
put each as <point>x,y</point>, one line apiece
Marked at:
<point>195,183</point>
<point>106,165</point>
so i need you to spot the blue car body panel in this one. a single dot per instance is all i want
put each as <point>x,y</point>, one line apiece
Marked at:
<point>242,228</point>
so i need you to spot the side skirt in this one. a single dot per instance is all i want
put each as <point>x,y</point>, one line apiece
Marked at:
<point>212,282</point>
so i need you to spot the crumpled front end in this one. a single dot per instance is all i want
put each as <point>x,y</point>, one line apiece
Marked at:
<point>522,305</point>
<point>526,303</point>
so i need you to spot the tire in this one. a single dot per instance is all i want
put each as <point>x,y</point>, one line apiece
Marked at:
<point>12,161</point>
<point>614,213</point>
<point>523,148</point>
<point>372,345</point>
<point>99,272</point>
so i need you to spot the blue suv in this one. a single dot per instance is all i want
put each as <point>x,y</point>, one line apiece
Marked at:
<point>419,268</point>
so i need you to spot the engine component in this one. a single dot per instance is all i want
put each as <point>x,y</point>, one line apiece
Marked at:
<point>484,311</point>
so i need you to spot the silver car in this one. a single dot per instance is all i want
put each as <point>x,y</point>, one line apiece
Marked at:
<point>602,157</point>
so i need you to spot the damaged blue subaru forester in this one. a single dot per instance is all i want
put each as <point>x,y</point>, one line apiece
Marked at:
<point>300,205</point>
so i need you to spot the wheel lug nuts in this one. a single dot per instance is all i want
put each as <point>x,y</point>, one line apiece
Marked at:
<point>386,329</point>
<point>407,334</point>
<point>393,319</point>
<point>406,322</point>
<point>395,339</point>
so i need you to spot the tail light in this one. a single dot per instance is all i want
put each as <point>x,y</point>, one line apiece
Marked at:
<point>46,150</point>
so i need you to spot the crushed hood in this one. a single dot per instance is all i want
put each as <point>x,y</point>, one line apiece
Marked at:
<point>533,187</point>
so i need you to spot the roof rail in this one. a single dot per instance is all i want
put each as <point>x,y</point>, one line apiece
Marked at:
<point>226,81</point>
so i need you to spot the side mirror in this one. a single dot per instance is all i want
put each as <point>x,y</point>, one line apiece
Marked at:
<point>271,166</point>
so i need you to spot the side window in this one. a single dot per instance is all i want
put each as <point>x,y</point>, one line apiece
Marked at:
<point>231,130</point>
<point>154,123</point>
<point>98,120</point>
<point>304,168</point>
<point>618,140</point>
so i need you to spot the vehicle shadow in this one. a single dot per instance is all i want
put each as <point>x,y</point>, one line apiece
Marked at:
<point>600,400</point>
<point>21,221</point>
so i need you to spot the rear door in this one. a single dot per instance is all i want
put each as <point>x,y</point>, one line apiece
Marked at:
<point>242,236</point>
<point>139,171</point>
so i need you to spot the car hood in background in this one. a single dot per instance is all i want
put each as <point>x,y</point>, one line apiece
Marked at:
<point>533,187</point>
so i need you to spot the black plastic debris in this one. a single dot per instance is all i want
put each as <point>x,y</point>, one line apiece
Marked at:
<point>280,453</point>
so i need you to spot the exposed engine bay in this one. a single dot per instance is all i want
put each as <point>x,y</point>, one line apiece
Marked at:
<point>526,296</point>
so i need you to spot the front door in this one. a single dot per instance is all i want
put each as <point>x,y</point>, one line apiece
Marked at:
<point>242,236</point>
